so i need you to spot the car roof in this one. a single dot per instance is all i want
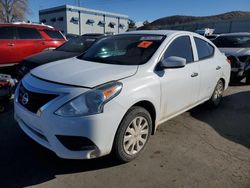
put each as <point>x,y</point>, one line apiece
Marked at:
<point>159,32</point>
<point>27,25</point>
<point>236,34</point>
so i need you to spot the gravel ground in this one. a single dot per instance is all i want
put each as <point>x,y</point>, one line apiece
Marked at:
<point>200,148</point>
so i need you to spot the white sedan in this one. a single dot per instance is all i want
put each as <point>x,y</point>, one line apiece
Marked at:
<point>113,97</point>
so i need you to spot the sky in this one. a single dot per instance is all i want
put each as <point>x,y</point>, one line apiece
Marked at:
<point>141,10</point>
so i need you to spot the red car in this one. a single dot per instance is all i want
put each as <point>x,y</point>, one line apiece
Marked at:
<point>19,40</point>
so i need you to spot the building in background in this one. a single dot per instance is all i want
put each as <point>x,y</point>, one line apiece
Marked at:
<point>79,20</point>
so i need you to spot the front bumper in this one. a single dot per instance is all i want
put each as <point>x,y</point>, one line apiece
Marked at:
<point>45,127</point>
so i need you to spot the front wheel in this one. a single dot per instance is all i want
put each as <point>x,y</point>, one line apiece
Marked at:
<point>216,98</point>
<point>132,134</point>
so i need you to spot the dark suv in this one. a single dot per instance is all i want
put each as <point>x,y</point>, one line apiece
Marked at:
<point>19,40</point>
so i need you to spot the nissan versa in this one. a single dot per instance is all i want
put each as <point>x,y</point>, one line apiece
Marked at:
<point>113,97</point>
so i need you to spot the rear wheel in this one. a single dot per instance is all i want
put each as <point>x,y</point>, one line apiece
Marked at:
<point>216,98</point>
<point>132,134</point>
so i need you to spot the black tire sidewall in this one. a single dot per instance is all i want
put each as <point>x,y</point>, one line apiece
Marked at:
<point>118,142</point>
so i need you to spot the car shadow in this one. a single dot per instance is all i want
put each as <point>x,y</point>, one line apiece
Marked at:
<point>231,120</point>
<point>25,163</point>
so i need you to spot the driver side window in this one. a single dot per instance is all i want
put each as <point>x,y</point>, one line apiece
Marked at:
<point>180,47</point>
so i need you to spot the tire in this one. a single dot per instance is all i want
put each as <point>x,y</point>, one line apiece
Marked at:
<point>216,98</point>
<point>132,134</point>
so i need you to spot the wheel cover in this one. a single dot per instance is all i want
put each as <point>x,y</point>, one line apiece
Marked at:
<point>136,135</point>
<point>218,93</point>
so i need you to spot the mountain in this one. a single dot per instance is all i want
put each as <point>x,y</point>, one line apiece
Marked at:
<point>178,19</point>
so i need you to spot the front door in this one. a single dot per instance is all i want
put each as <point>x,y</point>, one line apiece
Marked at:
<point>179,86</point>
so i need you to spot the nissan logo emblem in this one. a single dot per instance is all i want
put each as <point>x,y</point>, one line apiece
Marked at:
<point>25,98</point>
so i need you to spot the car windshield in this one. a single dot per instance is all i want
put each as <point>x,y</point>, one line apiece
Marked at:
<point>126,49</point>
<point>240,41</point>
<point>78,44</point>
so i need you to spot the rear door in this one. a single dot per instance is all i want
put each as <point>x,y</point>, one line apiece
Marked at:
<point>7,55</point>
<point>209,68</point>
<point>180,86</point>
<point>28,42</point>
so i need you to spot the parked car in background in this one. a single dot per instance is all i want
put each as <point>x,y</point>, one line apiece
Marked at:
<point>236,46</point>
<point>19,40</point>
<point>71,48</point>
<point>114,96</point>
<point>212,37</point>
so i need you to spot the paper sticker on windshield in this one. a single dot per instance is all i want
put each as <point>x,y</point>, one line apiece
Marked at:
<point>144,44</point>
<point>152,38</point>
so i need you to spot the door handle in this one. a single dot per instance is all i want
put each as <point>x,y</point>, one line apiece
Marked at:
<point>11,44</point>
<point>218,68</point>
<point>194,74</point>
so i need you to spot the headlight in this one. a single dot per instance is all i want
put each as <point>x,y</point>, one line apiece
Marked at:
<point>91,102</point>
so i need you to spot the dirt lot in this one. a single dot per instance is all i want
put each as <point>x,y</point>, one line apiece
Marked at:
<point>200,148</point>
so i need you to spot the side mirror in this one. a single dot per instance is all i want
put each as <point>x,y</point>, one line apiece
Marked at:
<point>173,62</point>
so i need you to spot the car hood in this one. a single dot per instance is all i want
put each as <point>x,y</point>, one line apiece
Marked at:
<point>47,57</point>
<point>235,51</point>
<point>77,72</point>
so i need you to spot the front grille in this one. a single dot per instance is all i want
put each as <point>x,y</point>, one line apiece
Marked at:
<point>32,100</point>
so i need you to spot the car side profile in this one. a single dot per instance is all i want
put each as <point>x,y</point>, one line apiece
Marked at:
<point>113,97</point>
<point>19,40</point>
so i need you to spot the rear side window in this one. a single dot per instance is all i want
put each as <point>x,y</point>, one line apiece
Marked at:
<point>54,34</point>
<point>28,33</point>
<point>180,47</point>
<point>204,49</point>
<point>6,33</point>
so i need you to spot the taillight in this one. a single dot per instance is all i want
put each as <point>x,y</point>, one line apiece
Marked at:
<point>229,61</point>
